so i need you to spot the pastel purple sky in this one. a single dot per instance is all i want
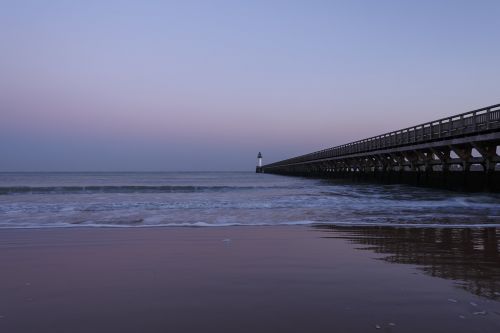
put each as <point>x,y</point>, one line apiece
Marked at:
<point>205,85</point>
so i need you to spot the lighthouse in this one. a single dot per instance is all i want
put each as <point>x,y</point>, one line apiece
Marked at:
<point>258,169</point>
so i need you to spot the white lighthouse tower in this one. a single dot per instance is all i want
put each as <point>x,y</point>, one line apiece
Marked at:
<point>259,163</point>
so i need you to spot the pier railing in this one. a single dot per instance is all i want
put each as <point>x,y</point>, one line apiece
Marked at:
<point>469,123</point>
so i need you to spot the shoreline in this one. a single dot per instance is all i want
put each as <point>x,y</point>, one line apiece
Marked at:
<point>203,225</point>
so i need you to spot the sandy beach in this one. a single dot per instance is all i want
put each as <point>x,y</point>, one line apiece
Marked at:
<point>249,279</point>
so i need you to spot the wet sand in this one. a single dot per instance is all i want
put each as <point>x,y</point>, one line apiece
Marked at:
<point>249,279</point>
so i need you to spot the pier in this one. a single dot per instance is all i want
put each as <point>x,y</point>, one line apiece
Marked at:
<point>458,152</point>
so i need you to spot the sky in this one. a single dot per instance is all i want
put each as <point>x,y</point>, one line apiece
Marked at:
<point>205,85</point>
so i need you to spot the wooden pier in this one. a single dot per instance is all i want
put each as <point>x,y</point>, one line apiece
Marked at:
<point>459,152</point>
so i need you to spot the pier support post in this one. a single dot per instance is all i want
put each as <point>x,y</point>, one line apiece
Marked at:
<point>464,153</point>
<point>489,154</point>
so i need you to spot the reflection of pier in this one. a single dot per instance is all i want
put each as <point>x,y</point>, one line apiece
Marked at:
<point>469,256</point>
<point>458,151</point>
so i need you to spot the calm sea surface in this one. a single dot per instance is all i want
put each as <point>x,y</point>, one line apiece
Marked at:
<point>227,198</point>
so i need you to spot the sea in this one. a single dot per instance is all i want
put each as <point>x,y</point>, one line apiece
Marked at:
<point>218,199</point>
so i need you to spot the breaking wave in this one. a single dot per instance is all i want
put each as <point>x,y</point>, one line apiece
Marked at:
<point>124,189</point>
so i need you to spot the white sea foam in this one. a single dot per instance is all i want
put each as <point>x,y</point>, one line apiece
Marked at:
<point>254,224</point>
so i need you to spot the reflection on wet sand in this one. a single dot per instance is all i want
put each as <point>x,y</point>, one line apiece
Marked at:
<point>469,256</point>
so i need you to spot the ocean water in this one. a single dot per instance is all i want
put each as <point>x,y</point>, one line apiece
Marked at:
<point>35,200</point>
